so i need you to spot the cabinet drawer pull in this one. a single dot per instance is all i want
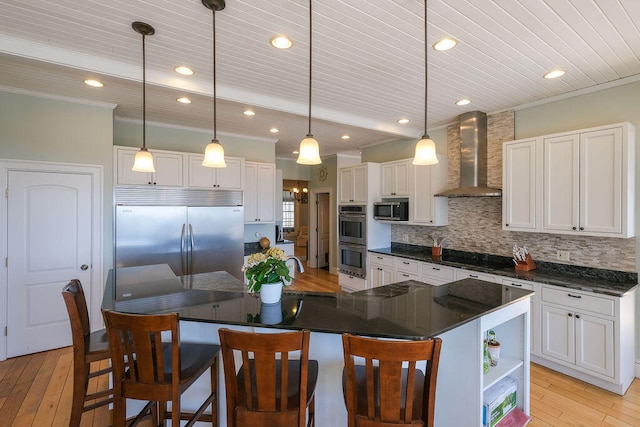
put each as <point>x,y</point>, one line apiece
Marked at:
<point>435,268</point>
<point>574,296</point>
<point>405,262</point>
<point>516,284</point>
<point>473,275</point>
<point>405,275</point>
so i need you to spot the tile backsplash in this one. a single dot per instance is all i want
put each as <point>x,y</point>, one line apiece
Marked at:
<point>475,225</point>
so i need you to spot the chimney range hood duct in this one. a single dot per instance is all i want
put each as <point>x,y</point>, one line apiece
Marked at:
<point>473,158</point>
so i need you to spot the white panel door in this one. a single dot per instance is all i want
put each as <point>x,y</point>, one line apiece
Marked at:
<point>595,344</point>
<point>519,192</point>
<point>558,334</point>
<point>49,243</point>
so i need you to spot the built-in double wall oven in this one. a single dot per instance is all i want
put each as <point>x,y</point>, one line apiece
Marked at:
<point>352,231</point>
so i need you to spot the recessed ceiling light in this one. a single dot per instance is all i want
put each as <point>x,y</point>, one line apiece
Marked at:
<point>345,137</point>
<point>249,113</point>
<point>554,74</point>
<point>403,121</point>
<point>184,100</point>
<point>281,42</point>
<point>463,102</point>
<point>274,130</point>
<point>444,44</point>
<point>185,71</point>
<point>93,83</point>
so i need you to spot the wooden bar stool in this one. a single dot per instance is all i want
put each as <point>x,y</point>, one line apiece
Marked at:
<point>383,392</point>
<point>270,389</point>
<point>88,347</point>
<point>160,371</point>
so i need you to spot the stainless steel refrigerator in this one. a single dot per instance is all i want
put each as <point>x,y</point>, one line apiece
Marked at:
<point>193,231</point>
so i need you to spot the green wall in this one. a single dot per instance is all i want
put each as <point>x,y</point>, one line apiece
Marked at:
<point>160,137</point>
<point>403,149</point>
<point>42,129</point>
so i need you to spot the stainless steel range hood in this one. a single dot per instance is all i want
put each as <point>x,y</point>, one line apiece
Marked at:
<point>473,158</point>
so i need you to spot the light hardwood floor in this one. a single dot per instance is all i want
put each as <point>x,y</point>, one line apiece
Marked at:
<point>35,390</point>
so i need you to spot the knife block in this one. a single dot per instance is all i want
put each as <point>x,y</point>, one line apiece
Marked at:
<point>526,265</point>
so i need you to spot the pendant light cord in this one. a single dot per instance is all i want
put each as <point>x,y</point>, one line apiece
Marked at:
<point>310,61</point>
<point>214,76</point>
<point>426,68</point>
<point>144,97</point>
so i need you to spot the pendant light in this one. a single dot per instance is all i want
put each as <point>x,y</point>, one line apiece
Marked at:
<point>144,160</point>
<point>214,153</point>
<point>425,148</point>
<point>309,150</point>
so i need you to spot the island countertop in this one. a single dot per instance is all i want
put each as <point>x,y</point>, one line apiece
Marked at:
<point>406,310</point>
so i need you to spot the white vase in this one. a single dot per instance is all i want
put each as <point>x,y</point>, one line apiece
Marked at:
<point>271,292</point>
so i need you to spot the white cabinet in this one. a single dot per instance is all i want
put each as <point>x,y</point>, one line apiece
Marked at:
<point>436,274</point>
<point>579,182</point>
<point>353,184</point>
<point>407,269</point>
<point>585,177</point>
<point>424,183</point>
<point>468,274</point>
<point>229,178</point>
<point>508,285</point>
<point>381,270</point>
<point>521,189</point>
<point>395,178</point>
<point>168,165</point>
<point>350,283</point>
<point>588,336</point>
<point>260,192</point>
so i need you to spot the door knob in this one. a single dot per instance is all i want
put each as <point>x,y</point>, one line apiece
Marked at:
<point>83,267</point>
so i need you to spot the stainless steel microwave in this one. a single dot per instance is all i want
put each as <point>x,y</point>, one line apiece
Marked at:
<point>391,210</point>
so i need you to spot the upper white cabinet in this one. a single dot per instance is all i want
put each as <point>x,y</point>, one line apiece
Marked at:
<point>395,178</point>
<point>579,182</point>
<point>229,178</point>
<point>168,165</point>
<point>260,192</point>
<point>353,184</point>
<point>424,183</point>
<point>521,189</point>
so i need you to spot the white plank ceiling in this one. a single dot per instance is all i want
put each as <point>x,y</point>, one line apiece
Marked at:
<point>368,60</point>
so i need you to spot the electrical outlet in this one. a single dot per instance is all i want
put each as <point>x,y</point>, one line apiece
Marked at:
<point>405,237</point>
<point>563,255</point>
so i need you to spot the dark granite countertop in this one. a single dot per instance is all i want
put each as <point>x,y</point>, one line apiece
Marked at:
<point>608,282</point>
<point>253,247</point>
<point>218,297</point>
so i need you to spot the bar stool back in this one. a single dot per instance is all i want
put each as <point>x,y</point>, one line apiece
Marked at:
<point>270,389</point>
<point>88,347</point>
<point>388,390</point>
<point>160,371</point>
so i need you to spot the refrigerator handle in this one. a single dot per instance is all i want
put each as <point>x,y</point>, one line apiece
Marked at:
<point>191,243</point>
<point>182,249</point>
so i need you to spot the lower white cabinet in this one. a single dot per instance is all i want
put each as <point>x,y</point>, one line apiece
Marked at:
<point>468,274</point>
<point>407,269</point>
<point>588,336</point>
<point>436,274</point>
<point>509,284</point>
<point>381,270</point>
<point>350,283</point>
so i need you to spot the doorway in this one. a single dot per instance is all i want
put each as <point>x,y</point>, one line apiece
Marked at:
<point>53,220</point>
<point>320,222</point>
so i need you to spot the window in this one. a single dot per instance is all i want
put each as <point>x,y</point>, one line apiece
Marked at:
<point>288,211</point>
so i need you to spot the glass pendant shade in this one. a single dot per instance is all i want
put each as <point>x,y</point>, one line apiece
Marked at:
<point>425,152</point>
<point>214,155</point>
<point>309,151</point>
<point>143,161</point>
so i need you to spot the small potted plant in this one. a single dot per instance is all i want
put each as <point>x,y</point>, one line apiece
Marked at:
<point>266,273</point>
<point>493,348</point>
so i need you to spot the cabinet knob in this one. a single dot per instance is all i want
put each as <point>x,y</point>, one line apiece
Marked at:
<point>581,228</point>
<point>506,225</point>
<point>577,316</point>
<point>573,228</point>
<point>570,314</point>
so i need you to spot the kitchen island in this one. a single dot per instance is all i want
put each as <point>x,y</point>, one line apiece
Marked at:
<point>460,313</point>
